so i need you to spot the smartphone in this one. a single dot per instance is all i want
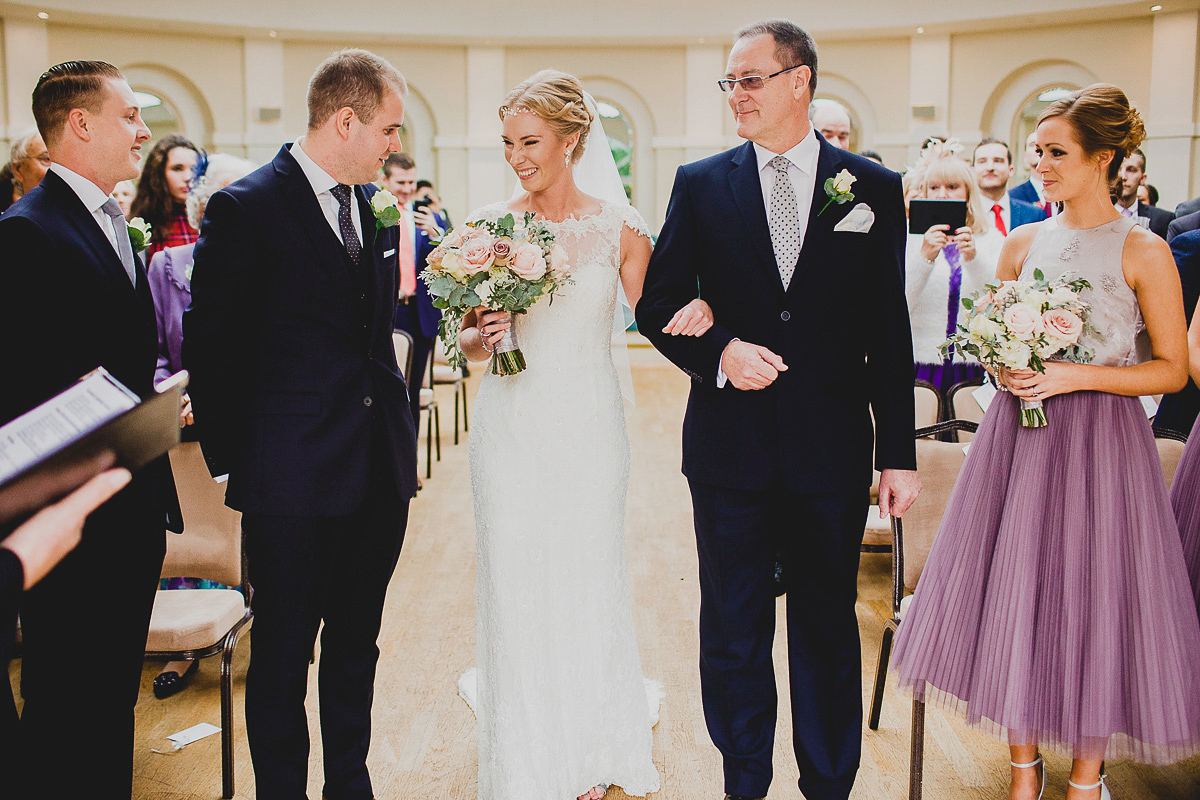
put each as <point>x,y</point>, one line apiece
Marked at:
<point>421,204</point>
<point>924,214</point>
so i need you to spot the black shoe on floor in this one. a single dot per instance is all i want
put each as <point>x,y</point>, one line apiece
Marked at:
<point>169,683</point>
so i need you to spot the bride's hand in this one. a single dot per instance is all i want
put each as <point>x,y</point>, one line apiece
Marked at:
<point>492,325</point>
<point>692,320</point>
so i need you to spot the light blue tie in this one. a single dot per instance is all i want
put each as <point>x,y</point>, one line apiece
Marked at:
<point>124,249</point>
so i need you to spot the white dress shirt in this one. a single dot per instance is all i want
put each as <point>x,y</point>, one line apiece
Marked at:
<point>802,171</point>
<point>93,199</point>
<point>322,183</point>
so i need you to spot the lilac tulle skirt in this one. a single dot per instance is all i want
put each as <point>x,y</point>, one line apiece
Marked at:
<point>1185,499</point>
<point>1055,606</point>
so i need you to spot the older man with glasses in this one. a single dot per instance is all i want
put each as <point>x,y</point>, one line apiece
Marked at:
<point>30,160</point>
<point>792,242</point>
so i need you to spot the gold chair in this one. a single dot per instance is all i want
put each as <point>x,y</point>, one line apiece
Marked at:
<point>444,374</point>
<point>198,623</point>
<point>403,343</point>
<point>912,538</point>
<point>960,404</point>
<point>1170,449</point>
<point>433,423</point>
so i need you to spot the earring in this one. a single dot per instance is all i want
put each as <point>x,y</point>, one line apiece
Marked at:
<point>568,161</point>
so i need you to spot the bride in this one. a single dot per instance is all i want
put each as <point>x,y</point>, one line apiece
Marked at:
<point>559,693</point>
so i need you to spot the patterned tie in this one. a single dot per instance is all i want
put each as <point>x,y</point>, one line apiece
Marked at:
<point>408,256</point>
<point>346,223</point>
<point>124,248</point>
<point>784,221</point>
<point>998,211</point>
<point>1128,212</point>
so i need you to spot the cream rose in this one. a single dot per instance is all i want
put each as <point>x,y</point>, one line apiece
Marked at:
<point>1063,324</point>
<point>1023,320</point>
<point>1014,355</point>
<point>528,262</point>
<point>452,265</point>
<point>984,327</point>
<point>558,258</point>
<point>476,253</point>
<point>843,181</point>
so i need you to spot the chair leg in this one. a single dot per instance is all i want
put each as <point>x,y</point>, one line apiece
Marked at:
<point>437,427</point>
<point>885,655</point>
<point>457,386</point>
<point>916,759</point>
<point>227,718</point>
<point>466,422</point>
<point>429,444</point>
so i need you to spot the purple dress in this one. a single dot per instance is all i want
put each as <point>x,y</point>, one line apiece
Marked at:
<point>1185,500</point>
<point>171,288</point>
<point>1055,606</point>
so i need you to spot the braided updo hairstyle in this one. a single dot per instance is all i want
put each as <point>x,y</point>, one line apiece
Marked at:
<point>557,98</point>
<point>1102,119</point>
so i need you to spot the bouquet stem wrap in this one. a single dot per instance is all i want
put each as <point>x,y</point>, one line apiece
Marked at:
<point>1033,415</point>
<point>508,358</point>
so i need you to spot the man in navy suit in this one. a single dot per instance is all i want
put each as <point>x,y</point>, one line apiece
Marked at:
<point>992,163</point>
<point>298,397</point>
<point>1133,175</point>
<point>419,229</point>
<point>1031,190</point>
<point>1188,222</point>
<point>811,335</point>
<point>75,297</point>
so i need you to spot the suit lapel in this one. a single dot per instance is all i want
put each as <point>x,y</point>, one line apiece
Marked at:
<point>820,225</point>
<point>378,277</point>
<point>311,218</point>
<point>746,186</point>
<point>88,229</point>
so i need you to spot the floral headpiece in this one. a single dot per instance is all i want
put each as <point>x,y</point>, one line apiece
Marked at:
<point>511,111</point>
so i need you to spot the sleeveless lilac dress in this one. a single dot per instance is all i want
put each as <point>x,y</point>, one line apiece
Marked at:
<point>1055,606</point>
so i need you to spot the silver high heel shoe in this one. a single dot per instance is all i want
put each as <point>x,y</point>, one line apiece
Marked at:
<point>1039,761</point>
<point>1104,793</point>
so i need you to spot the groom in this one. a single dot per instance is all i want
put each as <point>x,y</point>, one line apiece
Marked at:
<point>811,337</point>
<point>298,397</point>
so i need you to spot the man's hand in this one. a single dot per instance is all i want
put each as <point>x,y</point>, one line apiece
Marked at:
<point>694,319</point>
<point>898,489</point>
<point>750,366</point>
<point>428,223</point>
<point>185,412</point>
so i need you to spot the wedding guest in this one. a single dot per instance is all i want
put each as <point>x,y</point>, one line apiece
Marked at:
<point>29,160</point>
<point>942,266</point>
<point>71,259</point>
<point>10,190</point>
<point>124,193</point>
<point>871,154</point>
<point>1188,222</point>
<point>1185,489</point>
<point>1133,175</point>
<point>1147,194</point>
<point>1178,411</point>
<point>1055,608</point>
<point>992,162</point>
<point>832,121</point>
<point>170,276</point>
<point>1031,190</point>
<point>1187,207</point>
<point>162,193</point>
<point>425,191</point>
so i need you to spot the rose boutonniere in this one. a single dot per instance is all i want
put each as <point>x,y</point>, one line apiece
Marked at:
<point>383,205</point>
<point>187,271</point>
<point>139,234</point>
<point>838,189</point>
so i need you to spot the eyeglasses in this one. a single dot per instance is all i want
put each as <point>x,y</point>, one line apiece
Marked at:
<point>43,159</point>
<point>751,83</point>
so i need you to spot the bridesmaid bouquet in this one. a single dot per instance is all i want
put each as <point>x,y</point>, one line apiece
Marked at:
<point>506,265</point>
<point>1021,325</point>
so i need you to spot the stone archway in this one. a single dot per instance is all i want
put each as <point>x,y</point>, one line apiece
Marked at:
<point>185,100</point>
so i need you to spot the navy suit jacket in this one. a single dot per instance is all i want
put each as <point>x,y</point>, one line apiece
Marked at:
<point>1160,218</point>
<point>841,327</point>
<point>1026,194</point>
<point>1022,213</point>
<point>66,307</point>
<point>294,377</point>
<point>1188,222</point>
<point>1178,411</point>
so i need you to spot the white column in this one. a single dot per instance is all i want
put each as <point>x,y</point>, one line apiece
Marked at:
<point>264,93</point>
<point>1170,119</point>
<point>704,105</point>
<point>485,158</point>
<point>929,86</point>
<point>26,57</point>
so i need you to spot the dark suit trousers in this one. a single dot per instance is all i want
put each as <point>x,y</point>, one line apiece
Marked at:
<point>59,626</point>
<point>738,535</point>
<point>306,570</point>
<point>407,320</point>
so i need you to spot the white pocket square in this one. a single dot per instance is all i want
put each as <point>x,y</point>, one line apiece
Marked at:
<point>387,253</point>
<point>859,220</point>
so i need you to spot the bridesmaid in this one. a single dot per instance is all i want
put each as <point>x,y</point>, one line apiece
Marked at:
<point>1055,608</point>
<point>1185,490</point>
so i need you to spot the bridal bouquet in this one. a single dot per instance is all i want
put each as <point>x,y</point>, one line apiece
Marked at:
<point>506,265</point>
<point>1022,324</point>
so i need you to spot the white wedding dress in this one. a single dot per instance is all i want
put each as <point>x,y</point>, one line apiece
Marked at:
<point>558,690</point>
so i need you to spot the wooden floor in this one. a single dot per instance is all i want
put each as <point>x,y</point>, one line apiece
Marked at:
<point>424,735</point>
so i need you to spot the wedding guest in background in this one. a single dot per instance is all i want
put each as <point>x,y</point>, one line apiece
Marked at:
<point>1187,207</point>
<point>29,160</point>
<point>162,192</point>
<point>9,188</point>
<point>832,121</point>
<point>942,266</point>
<point>124,193</point>
<point>1188,222</point>
<point>1178,411</point>
<point>425,191</point>
<point>1185,489</point>
<point>1031,190</point>
<point>1055,608</point>
<point>72,259</point>
<point>1147,194</point>
<point>1133,175</point>
<point>992,162</point>
<point>170,276</point>
<point>871,154</point>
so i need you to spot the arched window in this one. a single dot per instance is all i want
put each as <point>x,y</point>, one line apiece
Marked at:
<point>620,140</point>
<point>159,115</point>
<point>1027,118</point>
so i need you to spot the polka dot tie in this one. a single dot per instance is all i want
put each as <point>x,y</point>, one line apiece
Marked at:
<point>784,221</point>
<point>345,223</point>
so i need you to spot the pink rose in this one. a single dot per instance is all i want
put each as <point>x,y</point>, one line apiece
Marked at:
<point>476,253</point>
<point>1023,320</point>
<point>502,249</point>
<point>1063,324</point>
<point>558,258</point>
<point>452,240</point>
<point>528,262</point>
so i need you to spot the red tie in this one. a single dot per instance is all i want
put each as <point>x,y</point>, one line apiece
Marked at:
<point>999,219</point>
<point>407,256</point>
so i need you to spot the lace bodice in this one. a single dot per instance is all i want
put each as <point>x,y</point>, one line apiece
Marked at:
<point>1095,254</point>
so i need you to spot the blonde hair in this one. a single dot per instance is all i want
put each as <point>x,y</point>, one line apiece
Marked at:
<point>1102,119</point>
<point>946,165</point>
<point>557,98</point>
